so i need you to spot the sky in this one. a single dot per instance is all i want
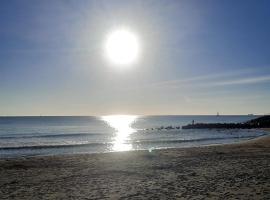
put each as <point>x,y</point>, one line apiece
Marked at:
<point>197,57</point>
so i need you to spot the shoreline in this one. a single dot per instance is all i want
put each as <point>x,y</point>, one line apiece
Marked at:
<point>222,171</point>
<point>267,134</point>
<point>143,150</point>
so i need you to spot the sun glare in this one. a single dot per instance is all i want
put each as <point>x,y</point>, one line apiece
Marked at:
<point>122,125</point>
<point>122,47</point>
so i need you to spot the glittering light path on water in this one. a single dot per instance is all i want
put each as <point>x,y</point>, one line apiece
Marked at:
<point>122,125</point>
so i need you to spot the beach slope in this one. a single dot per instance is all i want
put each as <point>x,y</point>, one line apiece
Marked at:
<point>216,172</point>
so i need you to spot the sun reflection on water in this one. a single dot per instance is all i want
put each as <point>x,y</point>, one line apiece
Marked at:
<point>122,125</point>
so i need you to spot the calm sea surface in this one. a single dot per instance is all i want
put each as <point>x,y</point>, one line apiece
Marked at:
<point>28,136</point>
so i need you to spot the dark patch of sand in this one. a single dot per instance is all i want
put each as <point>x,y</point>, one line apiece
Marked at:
<point>239,171</point>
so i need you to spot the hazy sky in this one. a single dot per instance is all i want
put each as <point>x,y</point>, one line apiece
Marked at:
<point>197,57</point>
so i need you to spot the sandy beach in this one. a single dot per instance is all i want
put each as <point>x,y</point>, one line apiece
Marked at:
<point>237,171</point>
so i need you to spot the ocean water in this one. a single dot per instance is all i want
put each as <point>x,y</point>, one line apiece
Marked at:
<point>29,136</point>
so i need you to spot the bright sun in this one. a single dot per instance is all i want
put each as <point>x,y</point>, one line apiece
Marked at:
<point>122,47</point>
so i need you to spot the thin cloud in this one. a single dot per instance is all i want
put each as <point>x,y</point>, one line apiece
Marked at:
<point>239,77</point>
<point>201,80</point>
<point>243,81</point>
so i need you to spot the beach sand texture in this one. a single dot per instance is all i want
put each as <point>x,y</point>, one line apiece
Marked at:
<point>217,172</point>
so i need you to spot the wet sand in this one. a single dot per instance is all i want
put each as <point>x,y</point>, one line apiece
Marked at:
<point>238,171</point>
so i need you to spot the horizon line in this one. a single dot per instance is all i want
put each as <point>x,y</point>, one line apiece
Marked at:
<point>249,114</point>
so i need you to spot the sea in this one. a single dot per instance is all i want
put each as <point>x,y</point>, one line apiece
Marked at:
<point>54,135</point>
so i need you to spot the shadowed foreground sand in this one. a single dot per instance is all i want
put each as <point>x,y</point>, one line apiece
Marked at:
<point>217,172</point>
